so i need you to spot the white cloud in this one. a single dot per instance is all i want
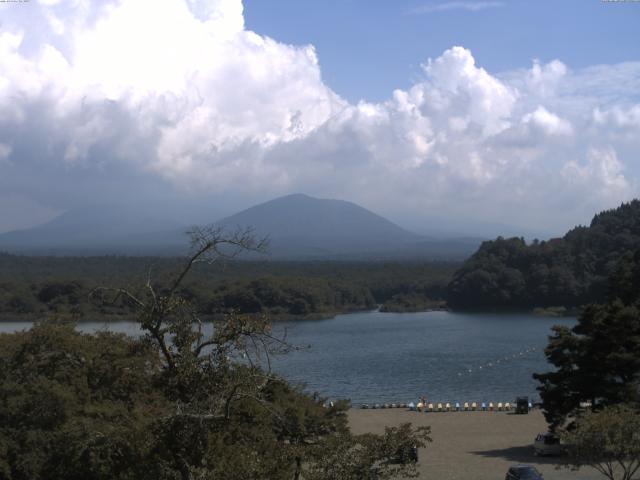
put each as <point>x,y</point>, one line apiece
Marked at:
<point>618,117</point>
<point>548,122</point>
<point>543,80</point>
<point>189,97</point>
<point>455,5</point>
<point>601,173</point>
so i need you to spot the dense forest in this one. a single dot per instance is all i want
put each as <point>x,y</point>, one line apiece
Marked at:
<point>36,286</point>
<point>570,271</point>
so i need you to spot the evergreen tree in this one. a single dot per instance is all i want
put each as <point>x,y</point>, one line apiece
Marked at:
<point>598,360</point>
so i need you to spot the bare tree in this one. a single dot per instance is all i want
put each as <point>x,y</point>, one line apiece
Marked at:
<point>175,326</point>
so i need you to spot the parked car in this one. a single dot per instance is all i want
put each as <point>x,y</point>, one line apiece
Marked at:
<point>547,444</point>
<point>522,405</point>
<point>523,472</point>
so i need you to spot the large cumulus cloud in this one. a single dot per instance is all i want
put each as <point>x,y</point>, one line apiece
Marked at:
<point>178,96</point>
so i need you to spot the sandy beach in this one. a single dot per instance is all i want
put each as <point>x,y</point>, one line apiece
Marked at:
<point>472,445</point>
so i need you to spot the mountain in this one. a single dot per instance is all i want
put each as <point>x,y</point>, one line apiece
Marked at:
<point>300,227</point>
<point>98,230</point>
<point>569,271</point>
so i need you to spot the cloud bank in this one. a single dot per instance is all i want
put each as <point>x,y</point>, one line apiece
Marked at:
<point>138,99</point>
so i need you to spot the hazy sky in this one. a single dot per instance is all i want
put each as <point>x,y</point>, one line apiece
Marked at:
<point>434,114</point>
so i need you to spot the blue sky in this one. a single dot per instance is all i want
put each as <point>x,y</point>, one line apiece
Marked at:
<point>451,114</point>
<point>367,48</point>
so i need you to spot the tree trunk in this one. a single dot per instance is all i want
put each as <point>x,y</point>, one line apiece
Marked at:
<point>296,475</point>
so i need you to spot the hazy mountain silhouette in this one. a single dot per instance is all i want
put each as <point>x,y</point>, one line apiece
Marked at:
<point>98,230</point>
<point>299,227</point>
<point>299,224</point>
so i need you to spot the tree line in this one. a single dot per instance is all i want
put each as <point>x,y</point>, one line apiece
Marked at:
<point>34,286</point>
<point>570,271</point>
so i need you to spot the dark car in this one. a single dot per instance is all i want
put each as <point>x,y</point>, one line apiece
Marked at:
<point>522,405</point>
<point>406,454</point>
<point>547,444</point>
<point>523,472</point>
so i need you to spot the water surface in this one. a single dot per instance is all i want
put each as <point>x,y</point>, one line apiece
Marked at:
<point>376,357</point>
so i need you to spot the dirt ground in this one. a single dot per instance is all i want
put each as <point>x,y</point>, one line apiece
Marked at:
<point>472,445</point>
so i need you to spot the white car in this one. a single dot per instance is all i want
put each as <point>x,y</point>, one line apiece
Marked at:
<point>547,444</point>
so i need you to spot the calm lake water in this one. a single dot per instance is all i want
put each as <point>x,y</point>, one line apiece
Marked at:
<point>377,357</point>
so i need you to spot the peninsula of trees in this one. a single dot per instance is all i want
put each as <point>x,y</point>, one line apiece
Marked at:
<point>570,271</point>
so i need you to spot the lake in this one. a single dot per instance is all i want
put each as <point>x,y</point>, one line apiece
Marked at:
<point>376,357</point>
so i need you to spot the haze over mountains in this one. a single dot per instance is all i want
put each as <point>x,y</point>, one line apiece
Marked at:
<point>299,227</point>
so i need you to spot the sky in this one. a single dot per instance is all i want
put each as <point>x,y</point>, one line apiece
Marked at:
<point>440,115</point>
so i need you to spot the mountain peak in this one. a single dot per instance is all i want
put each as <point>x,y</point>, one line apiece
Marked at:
<point>321,226</point>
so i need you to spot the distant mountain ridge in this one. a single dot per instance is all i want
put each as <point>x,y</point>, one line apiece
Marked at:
<point>97,230</point>
<point>300,227</point>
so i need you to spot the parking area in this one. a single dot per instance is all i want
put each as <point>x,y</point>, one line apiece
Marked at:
<point>472,445</point>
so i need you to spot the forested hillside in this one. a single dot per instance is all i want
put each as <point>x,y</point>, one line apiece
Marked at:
<point>568,271</point>
<point>37,286</point>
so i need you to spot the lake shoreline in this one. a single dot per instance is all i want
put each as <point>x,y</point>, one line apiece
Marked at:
<point>554,312</point>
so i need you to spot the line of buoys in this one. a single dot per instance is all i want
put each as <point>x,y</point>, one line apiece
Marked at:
<point>448,406</point>
<point>386,405</point>
<point>497,362</point>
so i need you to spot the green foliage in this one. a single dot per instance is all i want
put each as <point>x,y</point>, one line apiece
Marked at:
<point>411,302</point>
<point>608,441</point>
<point>371,457</point>
<point>598,360</point>
<point>71,399</point>
<point>37,286</point>
<point>176,403</point>
<point>289,297</point>
<point>569,271</point>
